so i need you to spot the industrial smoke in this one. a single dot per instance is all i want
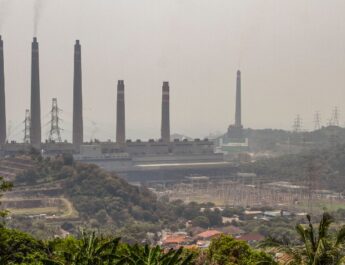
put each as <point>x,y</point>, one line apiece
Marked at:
<point>4,5</point>
<point>37,14</point>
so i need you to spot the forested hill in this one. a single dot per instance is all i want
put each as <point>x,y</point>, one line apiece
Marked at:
<point>104,201</point>
<point>327,166</point>
<point>97,195</point>
<point>270,139</point>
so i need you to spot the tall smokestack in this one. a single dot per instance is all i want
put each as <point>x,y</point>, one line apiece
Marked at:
<point>78,133</point>
<point>2,96</point>
<point>35,128</point>
<point>165,130</point>
<point>238,115</point>
<point>120,113</point>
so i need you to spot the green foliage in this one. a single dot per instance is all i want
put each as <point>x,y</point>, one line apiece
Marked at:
<point>144,255</point>
<point>201,221</point>
<point>88,250</point>
<point>109,203</point>
<point>225,250</point>
<point>230,212</point>
<point>19,248</point>
<point>214,217</point>
<point>4,186</point>
<point>319,246</point>
<point>326,164</point>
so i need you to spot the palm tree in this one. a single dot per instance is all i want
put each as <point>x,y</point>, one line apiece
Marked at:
<point>319,246</point>
<point>89,250</point>
<point>137,255</point>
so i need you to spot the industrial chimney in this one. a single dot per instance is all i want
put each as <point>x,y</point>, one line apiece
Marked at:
<point>165,129</point>
<point>35,128</point>
<point>77,98</point>
<point>2,96</point>
<point>120,114</point>
<point>238,118</point>
<point>235,132</point>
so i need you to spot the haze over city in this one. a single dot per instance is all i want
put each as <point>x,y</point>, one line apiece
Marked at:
<point>291,54</point>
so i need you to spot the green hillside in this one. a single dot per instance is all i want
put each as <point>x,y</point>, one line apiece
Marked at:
<point>324,166</point>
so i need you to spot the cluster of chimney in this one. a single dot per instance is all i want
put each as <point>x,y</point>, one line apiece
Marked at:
<point>35,107</point>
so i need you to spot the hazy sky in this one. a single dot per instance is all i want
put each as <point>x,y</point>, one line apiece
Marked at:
<point>291,53</point>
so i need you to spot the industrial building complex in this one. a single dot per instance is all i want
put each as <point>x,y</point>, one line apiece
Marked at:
<point>122,154</point>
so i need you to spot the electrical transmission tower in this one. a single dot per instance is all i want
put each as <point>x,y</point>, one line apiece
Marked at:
<point>297,125</point>
<point>317,121</point>
<point>27,124</point>
<point>335,117</point>
<point>54,134</point>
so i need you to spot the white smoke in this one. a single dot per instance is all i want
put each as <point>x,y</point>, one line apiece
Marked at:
<point>4,6</point>
<point>38,4</point>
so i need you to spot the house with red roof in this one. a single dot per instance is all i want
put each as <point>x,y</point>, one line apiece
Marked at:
<point>208,234</point>
<point>172,241</point>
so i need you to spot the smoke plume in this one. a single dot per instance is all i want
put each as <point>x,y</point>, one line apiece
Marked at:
<point>4,6</point>
<point>37,14</point>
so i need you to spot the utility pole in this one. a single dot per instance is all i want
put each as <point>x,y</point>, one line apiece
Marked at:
<point>27,125</point>
<point>54,134</point>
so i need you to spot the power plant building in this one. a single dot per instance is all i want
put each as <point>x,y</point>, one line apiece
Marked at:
<point>161,150</point>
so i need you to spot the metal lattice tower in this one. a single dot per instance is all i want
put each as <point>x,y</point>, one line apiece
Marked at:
<point>297,125</point>
<point>317,121</point>
<point>27,124</point>
<point>335,117</point>
<point>54,134</point>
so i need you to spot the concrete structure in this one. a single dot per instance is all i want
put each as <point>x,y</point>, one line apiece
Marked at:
<point>2,96</point>
<point>35,128</point>
<point>120,114</point>
<point>112,155</point>
<point>77,98</point>
<point>165,130</point>
<point>235,132</point>
<point>238,114</point>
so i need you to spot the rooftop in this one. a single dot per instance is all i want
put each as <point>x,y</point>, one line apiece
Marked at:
<point>175,239</point>
<point>209,234</point>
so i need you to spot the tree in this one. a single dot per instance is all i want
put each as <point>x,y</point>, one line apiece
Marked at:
<point>139,255</point>
<point>215,217</point>
<point>4,186</point>
<point>88,250</point>
<point>19,248</point>
<point>201,221</point>
<point>318,247</point>
<point>68,159</point>
<point>225,250</point>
